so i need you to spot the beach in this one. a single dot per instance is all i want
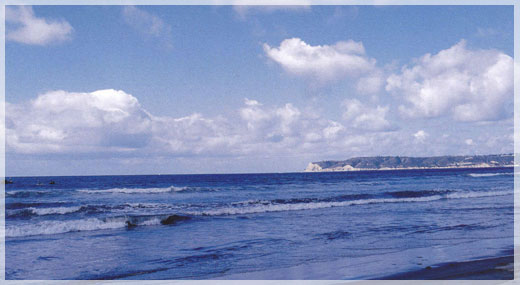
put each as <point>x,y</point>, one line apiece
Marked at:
<point>497,268</point>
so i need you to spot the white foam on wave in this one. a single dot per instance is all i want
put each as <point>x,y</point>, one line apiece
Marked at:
<point>148,205</point>
<point>59,227</point>
<point>136,190</point>
<point>489,174</point>
<point>262,208</point>
<point>28,192</point>
<point>151,222</point>
<point>265,208</point>
<point>54,211</point>
<point>461,195</point>
<point>74,209</point>
<point>91,224</point>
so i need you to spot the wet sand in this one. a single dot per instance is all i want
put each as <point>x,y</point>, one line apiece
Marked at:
<point>499,268</point>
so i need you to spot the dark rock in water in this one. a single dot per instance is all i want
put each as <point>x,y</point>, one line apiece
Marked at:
<point>130,225</point>
<point>174,219</point>
<point>52,182</point>
<point>6,181</point>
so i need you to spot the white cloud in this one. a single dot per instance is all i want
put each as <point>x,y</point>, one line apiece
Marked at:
<point>469,85</point>
<point>242,9</point>
<point>468,141</point>
<point>333,130</point>
<point>364,117</point>
<point>268,124</point>
<point>370,83</point>
<point>251,102</point>
<point>112,121</point>
<point>420,136</point>
<point>147,24</point>
<point>60,121</point>
<point>193,134</point>
<point>24,27</point>
<point>322,62</point>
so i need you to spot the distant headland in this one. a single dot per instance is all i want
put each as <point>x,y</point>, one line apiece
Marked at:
<point>405,162</point>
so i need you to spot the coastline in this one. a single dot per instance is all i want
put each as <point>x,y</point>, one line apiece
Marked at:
<point>407,168</point>
<point>494,268</point>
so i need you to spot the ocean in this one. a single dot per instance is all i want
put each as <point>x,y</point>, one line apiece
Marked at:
<point>342,225</point>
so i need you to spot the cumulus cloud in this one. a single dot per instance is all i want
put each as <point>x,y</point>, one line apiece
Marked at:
<point>469,85</point>
<point>112,121</point>
<point>109,121</point>
<point>420,136</point>
<point>147,24</point>
<point>286,126</point>
<point>24,27</point>
<point>323,62</point>
<point>371,83</point>
<point>193,134</point>
<point>60,121</point>
<point>364,117</point>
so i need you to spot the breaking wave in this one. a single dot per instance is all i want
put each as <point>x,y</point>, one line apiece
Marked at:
<point>141,190</point>
<point>90,224</point>
<point>57,227</point>
<point>489,174</point>
<point>51,211</point>
<point>91,209</point>
<point>263,206</point>
<point>27,194</point>
<point>236,208</point>
<point>459,195</point>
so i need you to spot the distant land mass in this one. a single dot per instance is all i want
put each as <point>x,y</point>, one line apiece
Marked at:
<point>405,162</point>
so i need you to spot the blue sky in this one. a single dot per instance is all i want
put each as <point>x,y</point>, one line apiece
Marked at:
<point>219,89</point>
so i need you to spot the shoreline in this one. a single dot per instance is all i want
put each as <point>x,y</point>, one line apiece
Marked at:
<point>494,268</point>
<point>407,168</point>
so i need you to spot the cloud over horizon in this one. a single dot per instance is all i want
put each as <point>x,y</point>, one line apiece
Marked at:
<point>22,26</point>
<point>365,117</point>
<point>112,123</point>
<point>468,85</point>
<point>60,121</point>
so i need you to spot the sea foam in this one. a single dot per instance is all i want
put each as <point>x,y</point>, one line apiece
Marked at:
<point>90,224</point>
<point>265,207</point>
<point>489,174</point>
<point>57,227</point>
<point>54,211</point>
<point>136,190</point>
<point>237,208</point>
<point>33,211</point>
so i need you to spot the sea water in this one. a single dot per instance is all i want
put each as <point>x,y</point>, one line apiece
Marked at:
<point>343,225</point>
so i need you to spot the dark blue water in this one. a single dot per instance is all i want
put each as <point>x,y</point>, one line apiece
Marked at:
<point>351,225</point>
